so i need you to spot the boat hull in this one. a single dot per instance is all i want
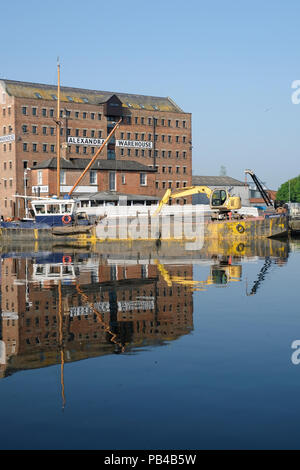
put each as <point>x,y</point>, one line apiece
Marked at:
<point>146,228</point>
<point>294,225</point>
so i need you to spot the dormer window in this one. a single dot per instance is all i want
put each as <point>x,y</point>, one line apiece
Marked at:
<point>38,95</point>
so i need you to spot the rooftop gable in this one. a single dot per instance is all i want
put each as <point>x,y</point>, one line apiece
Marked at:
<point>95,97</point>
<point>215,181</point>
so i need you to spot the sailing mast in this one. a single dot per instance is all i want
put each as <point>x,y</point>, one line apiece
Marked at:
<point>58,123</point>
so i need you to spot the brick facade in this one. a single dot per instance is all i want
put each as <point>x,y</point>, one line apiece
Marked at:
<point>28,111</point>
<point>128,182</point>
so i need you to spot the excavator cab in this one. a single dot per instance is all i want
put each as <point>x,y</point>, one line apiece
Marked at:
<point>218,197</point>
<point>221,200</point>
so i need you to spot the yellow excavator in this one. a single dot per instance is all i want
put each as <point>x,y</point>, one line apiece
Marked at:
<point>223,205</point>
<point>220,274</point>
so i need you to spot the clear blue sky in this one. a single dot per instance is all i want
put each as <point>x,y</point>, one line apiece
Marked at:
<point>230,63</point>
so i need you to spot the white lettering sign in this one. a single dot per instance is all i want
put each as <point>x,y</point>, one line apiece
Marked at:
<point>7,138</point>
<point>141,144</point>
<point>43,189</point>
<point>104,307</point>
<point>84,141</point>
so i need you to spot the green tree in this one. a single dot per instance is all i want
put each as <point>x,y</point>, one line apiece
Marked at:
<point>289,191</point>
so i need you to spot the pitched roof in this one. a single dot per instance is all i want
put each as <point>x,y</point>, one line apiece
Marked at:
<point>101,164</point>
<point>215,181</point>
<point>82,95</point>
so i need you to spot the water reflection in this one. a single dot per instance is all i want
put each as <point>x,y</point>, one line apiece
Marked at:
<point>65,306</point>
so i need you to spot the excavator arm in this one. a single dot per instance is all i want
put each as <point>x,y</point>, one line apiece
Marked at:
<point>182,193</point>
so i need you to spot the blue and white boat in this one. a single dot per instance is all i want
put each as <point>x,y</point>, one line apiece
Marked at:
<point>49,217</point>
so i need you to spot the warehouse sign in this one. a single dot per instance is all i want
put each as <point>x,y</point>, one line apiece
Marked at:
<point>7,138</point>
<point>41,189</point>
<point>138,144</point>
<point>104,307</point>
<point>84,141</point>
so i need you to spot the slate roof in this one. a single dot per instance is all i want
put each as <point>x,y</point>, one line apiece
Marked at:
<point>215,181</point>
<point>101,164</point>
<point>82,95</point>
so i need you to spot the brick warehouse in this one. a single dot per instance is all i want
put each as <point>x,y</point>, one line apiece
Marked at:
<point>155,133</point>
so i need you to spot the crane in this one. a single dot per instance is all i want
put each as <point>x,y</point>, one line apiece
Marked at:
<point>264,194</point>
<point>220,199</point>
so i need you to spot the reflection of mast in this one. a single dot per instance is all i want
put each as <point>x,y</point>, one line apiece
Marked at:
<point>27,300</point>
<point>100,319</point>
<point>62,359</point>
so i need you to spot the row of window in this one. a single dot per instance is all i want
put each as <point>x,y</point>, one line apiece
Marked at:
<point>10,165</point>
<point>51,113</point>
<point>65,113</point>
<point>45,112</point>
<point>7,147</point>
<point>169,184</point>
<point>46,130</point>
<point>10,183</point>
<point>111,153</point>
<point>93,178</point>
<point>8,111</point>
<point>164,138</point>
<point>156,153</point>
<point>45,147</point>
<point>163,122</point>
<point>9,129</point>
<point>169,169</point>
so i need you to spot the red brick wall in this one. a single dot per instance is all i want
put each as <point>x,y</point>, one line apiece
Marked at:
<point>8,181</point>
<point>17,155</point>
<point>132,181</point>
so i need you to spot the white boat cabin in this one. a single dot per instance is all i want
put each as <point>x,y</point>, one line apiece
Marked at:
<point>51,207</point>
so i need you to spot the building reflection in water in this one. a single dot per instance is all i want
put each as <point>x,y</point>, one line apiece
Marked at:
<point>87,308</point>
<point>58,308</point>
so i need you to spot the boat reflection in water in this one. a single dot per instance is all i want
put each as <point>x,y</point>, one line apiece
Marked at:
<point>63,307</point>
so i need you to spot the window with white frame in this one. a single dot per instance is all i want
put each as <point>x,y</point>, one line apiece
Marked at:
<point>93,177</point>
<point>40,177</point>
<point>112,181</point>
<point>143,179</point>
<point>62,177</point>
